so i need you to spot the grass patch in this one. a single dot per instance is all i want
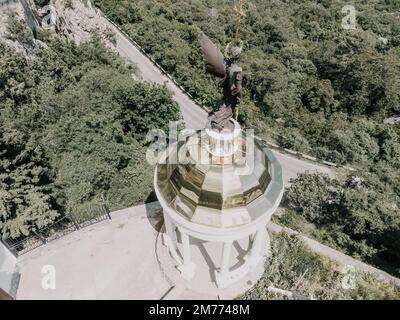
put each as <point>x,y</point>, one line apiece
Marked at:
<point>294,267</point>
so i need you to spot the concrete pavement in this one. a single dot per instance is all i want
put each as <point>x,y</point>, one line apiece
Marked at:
<point>123,258</point>
<point>113,259</point>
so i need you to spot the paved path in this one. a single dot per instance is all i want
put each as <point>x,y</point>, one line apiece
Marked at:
<point>116,259</point>
<point>293,166</point>
<point>194,116</point>
<point>113,259</point>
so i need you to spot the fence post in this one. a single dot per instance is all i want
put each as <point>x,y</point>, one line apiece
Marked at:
<point>105,207</point>
<point>40,237</point>
<point>73,221</point>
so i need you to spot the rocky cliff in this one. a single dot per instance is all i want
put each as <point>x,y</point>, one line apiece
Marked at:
<point>71,19</point>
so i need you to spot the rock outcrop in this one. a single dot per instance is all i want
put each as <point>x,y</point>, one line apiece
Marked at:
<point>79,21</point>
<point>73,19</point>
<point>7,8</point>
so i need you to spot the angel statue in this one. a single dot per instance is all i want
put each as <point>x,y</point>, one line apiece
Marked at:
<point>231,77</point>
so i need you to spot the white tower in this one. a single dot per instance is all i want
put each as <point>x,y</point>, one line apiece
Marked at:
<point>222,188</point>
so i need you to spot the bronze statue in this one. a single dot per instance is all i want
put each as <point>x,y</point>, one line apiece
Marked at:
<point>231,80</point>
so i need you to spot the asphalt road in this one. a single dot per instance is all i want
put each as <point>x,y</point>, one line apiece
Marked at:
<point>195,116</point>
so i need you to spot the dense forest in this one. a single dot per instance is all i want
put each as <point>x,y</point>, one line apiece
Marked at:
<point>318,87</point>
<point>72,127</point>
<point>359,216</point>
<point>310,85</point>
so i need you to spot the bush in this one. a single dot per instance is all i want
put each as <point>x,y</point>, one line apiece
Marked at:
<point>293,267</point>
<point>72,127</point>
<point>18,31</point>
<point>291,138</point>
<point>360,216</point>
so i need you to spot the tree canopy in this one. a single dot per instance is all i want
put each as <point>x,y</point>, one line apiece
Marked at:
<point>72,127</point>
<point>300,65</point>
<point>360,216</point>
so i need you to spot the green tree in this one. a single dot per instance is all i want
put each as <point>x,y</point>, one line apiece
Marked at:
<point>26,203</point>
<point>360,215</point>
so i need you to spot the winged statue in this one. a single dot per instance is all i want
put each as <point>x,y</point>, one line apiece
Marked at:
<point>231,77</point>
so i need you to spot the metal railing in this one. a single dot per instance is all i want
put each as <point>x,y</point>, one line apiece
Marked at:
<point>61,227</point>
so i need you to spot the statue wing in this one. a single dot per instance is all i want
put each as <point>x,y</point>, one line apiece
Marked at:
<point>213,57</point>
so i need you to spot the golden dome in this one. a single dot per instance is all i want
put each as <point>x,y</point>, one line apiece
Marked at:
<point>220,190</point>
